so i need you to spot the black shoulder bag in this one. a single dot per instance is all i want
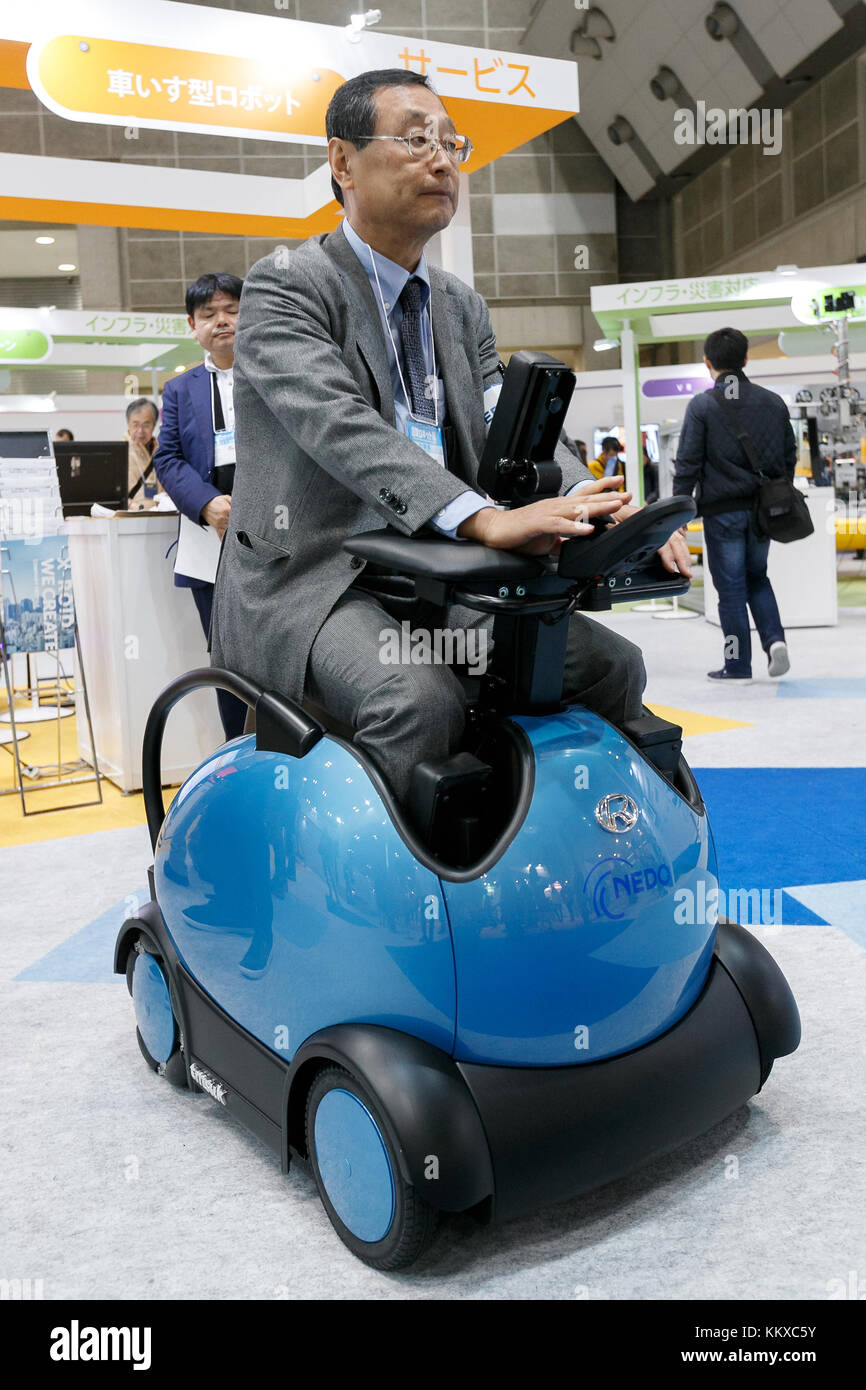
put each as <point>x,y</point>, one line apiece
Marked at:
<point>780,512</point>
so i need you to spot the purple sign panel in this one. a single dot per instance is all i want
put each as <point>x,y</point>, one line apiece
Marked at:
<point>676,386</point>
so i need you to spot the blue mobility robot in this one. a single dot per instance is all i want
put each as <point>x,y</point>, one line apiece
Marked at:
<point>512,989</point>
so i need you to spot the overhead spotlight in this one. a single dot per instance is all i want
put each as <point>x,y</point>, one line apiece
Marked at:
<point>44,240</point>
<point>180,369</point>
<point>787,269</point>
<point>722,22</point>
<point>620,132</point>
<point>665,85</point>
<point>359,22</point>
<point>67,265</point>
<point>598,26</point>
<point>583,47</point>
<point>605,344</point>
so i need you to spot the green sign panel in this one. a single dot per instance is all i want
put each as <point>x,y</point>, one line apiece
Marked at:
<point>23,345</point>
<point>844,301</point>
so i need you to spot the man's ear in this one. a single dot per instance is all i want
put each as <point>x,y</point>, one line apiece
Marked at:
<point>338,158</point>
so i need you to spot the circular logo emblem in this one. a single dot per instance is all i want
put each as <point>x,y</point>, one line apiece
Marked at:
<point>616,812</point>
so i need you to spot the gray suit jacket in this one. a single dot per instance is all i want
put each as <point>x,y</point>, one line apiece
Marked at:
<point>319,458</point>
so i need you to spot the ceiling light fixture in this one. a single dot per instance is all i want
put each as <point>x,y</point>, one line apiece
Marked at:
<point>598,26</point>
<point>722,22</point>
<point>584,47</point>
<point>620,132</point>
<point>594,25</point>
<point>665,85</point>
<point>67,265</point>
<point>44,240</point>
<point>359,22</point>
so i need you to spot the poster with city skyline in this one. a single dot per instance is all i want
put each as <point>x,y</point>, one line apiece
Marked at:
<point>36,589</point>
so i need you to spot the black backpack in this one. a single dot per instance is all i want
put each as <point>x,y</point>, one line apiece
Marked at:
<point>779,512</point>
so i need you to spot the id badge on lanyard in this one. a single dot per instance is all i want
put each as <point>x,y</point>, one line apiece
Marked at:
<point>428,437</point>
<point>223,448</point>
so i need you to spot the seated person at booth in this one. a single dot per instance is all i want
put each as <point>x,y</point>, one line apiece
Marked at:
<point>142,417</point>
<point>362,376</point>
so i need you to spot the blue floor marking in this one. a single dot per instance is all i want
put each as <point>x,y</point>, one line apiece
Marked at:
<point>86,957</point>
<point>823,688</point>
<point>778,827</point>
<point>773,828</point>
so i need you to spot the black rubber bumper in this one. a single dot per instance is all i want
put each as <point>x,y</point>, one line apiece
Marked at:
<point>555,1132</point>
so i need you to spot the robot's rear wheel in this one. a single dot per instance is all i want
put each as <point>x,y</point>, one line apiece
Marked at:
<point>157,1032</point>
<point>382,1219</point>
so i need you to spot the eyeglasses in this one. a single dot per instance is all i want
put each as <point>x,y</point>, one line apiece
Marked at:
<point>457,147</point>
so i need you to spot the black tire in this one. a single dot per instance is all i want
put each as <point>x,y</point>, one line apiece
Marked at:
<point>413,1224</point>
<point>174,1069</point>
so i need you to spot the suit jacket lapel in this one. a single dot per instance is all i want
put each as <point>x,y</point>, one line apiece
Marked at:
<point>365,314</point>
<point>200,392</point>
<point>447,328</point>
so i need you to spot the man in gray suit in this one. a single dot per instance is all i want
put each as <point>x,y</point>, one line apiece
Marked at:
<point>361,380</point>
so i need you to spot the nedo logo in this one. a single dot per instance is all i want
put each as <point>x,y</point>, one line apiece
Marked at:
<point>614,884</point>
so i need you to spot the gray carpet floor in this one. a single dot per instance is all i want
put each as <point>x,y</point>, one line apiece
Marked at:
<point>117,1186</point>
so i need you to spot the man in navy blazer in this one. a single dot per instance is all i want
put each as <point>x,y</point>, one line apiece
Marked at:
<point>197,426</point>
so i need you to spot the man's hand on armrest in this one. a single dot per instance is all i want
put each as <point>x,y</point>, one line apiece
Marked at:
<point>539,527</point>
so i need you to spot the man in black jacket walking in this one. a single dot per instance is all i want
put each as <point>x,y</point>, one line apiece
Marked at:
<point>711,458</point>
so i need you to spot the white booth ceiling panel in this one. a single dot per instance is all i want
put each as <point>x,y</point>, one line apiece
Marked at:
<point>630,172</point>
<point>813,20</point>
<point>757,12</point>
<point>673,33</point>
<point>739,82</point>
<point>662,148</point>
<point>715,55</point>
<point>689,66</point>
<point>646,114</point>
<point>781,43</point>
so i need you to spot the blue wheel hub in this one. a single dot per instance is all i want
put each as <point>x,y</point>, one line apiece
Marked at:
<point>153,1012</point>
<point>354,1165</point>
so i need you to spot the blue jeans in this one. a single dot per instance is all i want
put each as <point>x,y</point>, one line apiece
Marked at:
<point>737,561</point>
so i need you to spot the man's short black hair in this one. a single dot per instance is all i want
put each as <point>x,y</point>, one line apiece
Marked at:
<point>610,442</point>
<point>726,349</point>
<point>206,286</point>
<point>351,114</point>
<point>138,403</point>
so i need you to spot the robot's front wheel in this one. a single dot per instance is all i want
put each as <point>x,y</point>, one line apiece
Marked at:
<point>157,1032</point>
<point>382,1219</point>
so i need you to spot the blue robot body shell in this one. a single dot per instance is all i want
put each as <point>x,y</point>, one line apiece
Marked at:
<point>581,943</point>
<point>294,902</point>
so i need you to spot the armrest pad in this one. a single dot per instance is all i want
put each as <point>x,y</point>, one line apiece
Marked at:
<point>451,561</point>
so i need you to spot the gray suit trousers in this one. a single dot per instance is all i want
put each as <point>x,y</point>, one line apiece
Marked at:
<point>405,714</point>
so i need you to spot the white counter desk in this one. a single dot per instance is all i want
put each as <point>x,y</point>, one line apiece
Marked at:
<point>138,632</point>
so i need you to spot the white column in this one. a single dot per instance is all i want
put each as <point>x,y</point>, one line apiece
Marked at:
<point>631,413</point>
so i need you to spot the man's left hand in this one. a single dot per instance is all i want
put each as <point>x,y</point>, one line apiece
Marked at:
<point>674,553</point>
